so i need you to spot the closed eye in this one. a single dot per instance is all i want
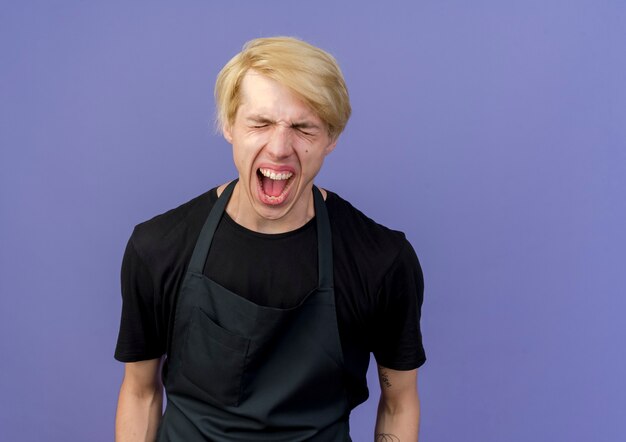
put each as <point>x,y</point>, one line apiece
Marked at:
<point>306,129</point>
<point>258,122</point>
<point>304,132</point>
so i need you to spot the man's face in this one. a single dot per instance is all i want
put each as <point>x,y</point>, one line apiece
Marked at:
<point>279,145</point>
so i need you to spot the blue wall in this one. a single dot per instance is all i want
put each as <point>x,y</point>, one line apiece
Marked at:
<point>493,133</point>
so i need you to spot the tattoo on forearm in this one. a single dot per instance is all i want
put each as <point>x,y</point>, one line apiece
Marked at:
<point>384,377</point>
<point>386,437</point>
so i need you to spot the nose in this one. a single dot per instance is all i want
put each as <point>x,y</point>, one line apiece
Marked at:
<point>280,143</point>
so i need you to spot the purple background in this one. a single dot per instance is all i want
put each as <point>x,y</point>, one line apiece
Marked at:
<point>493,133</point>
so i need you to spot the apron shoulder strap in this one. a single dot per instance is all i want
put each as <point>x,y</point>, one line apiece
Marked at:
<point>201,250</point>
<point>324,242</point>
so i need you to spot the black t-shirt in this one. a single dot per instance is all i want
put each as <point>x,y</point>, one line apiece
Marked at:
<point>377,276</point>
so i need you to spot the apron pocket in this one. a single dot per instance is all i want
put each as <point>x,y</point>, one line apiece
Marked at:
<point>214,359</point>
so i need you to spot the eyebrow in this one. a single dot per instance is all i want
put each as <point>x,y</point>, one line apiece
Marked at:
<point>305,125</point>
<point>259,119</point>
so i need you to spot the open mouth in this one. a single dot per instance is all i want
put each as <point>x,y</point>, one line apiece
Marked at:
<point>274,185</point>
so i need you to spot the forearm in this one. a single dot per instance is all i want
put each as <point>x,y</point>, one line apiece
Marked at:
<point>398,422</point>
<point>138,414</point>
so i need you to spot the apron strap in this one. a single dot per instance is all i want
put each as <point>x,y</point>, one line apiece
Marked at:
<point>324,242</point>
<point>201,250</point>
<point>324,239</point>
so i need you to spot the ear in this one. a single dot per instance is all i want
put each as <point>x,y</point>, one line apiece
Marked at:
<point>226,131</point>
<point>331,146</point>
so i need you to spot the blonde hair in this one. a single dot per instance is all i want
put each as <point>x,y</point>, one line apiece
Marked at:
<point>311,73</point>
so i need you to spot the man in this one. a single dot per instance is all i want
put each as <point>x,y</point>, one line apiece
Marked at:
<point>257,304</point>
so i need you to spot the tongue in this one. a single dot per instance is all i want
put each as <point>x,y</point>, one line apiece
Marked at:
<point>273,187</point>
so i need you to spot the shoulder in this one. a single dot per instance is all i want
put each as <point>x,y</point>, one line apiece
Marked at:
<point>173,227</point>
<point>371,244</point>
<point>349,220</point>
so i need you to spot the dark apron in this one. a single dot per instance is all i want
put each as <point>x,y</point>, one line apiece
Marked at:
<point>238,371</point>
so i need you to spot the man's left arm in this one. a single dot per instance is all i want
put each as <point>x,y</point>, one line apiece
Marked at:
<point>399,407</point>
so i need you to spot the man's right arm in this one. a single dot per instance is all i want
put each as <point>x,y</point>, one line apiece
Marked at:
<point>140,404</point>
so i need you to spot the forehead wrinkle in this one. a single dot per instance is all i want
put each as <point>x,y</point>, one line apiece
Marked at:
<point>274,110</point>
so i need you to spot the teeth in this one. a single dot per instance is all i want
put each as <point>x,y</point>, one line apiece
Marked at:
<point>268,173</point>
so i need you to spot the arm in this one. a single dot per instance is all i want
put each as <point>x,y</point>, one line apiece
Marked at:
<point>140,404</point>
<point>399,408</point>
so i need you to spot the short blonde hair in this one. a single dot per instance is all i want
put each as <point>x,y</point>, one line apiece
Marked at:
<point>311,73</point>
